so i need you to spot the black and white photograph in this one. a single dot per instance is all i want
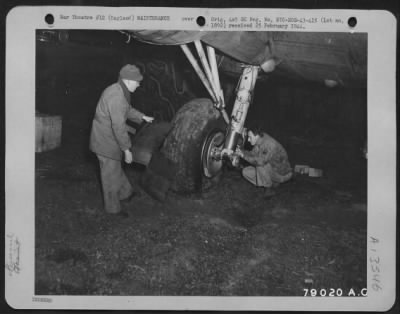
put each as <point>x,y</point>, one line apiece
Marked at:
<point>242,173</point>
<point>188,163</point>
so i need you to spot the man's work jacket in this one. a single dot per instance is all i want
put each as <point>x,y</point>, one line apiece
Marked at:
<point>109,136</point>
<point>268,151</point>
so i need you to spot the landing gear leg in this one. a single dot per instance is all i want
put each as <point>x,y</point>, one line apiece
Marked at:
<point>244,96</point>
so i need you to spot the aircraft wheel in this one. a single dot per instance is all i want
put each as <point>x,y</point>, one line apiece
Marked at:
<point>197,131</point>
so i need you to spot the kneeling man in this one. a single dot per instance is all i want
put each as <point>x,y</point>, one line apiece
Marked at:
<point>269,162</point>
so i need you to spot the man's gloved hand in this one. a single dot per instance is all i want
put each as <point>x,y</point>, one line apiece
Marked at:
<point>128,156</point>
<point>239,152</point>
<point>148,119</point>
<point>227,152</point>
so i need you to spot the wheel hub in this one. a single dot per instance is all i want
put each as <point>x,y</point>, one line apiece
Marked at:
<point>211,154</point>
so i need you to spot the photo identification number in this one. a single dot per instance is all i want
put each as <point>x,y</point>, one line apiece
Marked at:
<point>334,292</point>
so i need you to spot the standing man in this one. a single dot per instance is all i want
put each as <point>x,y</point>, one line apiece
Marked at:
<point>110,140</point>
<point>269,160</point>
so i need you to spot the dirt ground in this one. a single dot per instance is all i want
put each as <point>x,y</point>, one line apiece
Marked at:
<point>227,241</point>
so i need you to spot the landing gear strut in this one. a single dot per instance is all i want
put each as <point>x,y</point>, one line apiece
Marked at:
<point>219,144</point>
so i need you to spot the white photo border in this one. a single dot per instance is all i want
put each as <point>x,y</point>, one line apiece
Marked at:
<point>21,26</point>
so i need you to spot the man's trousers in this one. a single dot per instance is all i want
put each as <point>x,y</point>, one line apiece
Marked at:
<point>115,184</point>
<point>264,176</point>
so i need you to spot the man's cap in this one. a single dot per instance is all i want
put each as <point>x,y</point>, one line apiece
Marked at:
<point>131,72</point>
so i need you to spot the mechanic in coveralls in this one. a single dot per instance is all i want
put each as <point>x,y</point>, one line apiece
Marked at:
<point>269,160</point>
<point>109,138</point>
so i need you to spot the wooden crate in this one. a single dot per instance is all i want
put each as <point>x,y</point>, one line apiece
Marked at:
<point>48,132</point>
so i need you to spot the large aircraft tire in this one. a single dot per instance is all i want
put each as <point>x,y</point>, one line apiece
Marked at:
<point>192,127</point>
